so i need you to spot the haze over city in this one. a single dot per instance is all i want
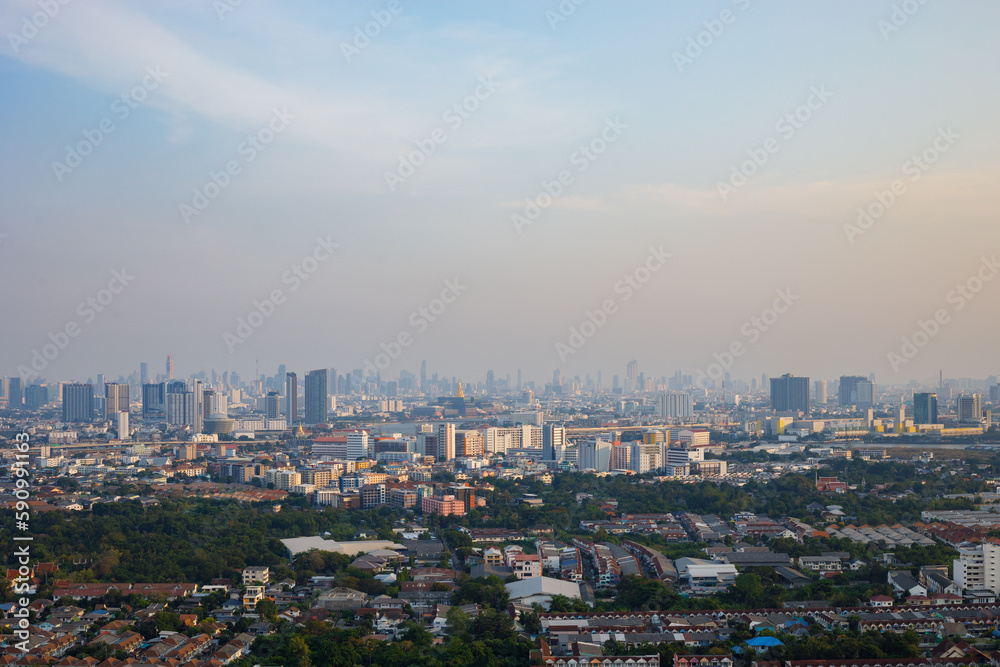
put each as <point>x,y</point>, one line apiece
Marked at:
<point>655,176</point>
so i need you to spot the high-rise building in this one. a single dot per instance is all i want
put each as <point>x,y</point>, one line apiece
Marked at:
<point>358,446</point>
<point>468,443</point>
<point>790,394</point>
<point>36,396</point>
<point>631,376</point>
<point>180,405</point>
<point>317,397</point>
<point>969,408</point>
<point>154,399</point>
<point>847,393</point>
<point>674,405</point>
<point>595,455</point>
<point>291,398</point>
<point>272,405</point>
<point>143,372</point>
<point>820,386</point>
<point>115,399</point>
<point>925,409</point>
<point>15,395</point>
<point>445,442</point>
<point>78,402</point>
<point>170,368</point>
<point>866,394</point>
<point>553,438</point>
<point>199,406</point>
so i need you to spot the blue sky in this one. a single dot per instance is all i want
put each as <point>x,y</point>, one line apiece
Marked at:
<point>324,175</point>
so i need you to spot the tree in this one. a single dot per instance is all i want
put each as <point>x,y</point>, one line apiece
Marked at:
<point>531,623</point>
<point>267,610</point>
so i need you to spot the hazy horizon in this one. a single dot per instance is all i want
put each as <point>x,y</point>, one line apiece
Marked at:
<point>182,165</point>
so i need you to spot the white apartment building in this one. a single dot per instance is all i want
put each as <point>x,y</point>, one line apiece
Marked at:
<point>978,567</point>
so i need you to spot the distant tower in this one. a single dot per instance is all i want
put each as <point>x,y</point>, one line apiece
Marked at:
<point>291,397</point>
<point>170,368</point>
<point>143,372</point>
<point>423,375</point>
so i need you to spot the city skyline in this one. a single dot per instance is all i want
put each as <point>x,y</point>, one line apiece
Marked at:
<point>786,182</point>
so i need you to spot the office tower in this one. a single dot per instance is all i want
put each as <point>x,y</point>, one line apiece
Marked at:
<point>594,454</point>
<point>847,393</point>
<point>423,375</point>
<point>519,379</point>
<point>115,399</point>
<point>820,392</point>
<point>674,405</point>
<point>154,399</point>
<point>317,397</point>
<point>866,394</point>
<point>15,398</point>
<point>143,372</point>
<point>553,438</point>
<point>78,402</point>
<point>615,383</point>
<point>969,408</point>
<point>790,394</point>
<point>490,383</point>
<point>631,375</point>
<point>170,368</point>
<point>99,387</point>
<point>199,406</point>
<point>445,442</point>
<point>925,410</point>
<point>291,397</point>
<point>995,394</point>
<point>36,396</point>
<point>272,405</point>
<point>331,382</point>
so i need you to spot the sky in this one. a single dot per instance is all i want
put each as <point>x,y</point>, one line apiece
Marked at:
<point>769,187</point>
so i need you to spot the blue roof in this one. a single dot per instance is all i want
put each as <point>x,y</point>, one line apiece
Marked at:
<point>764,641</point>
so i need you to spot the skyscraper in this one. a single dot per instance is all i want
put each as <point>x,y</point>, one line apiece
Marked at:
<point>631,376</point>
<point>445,442</point>
<point>15,393</point>
<point>317,397</point>
<point>553,437</point>
<point>790,394</point>
<point>154,399</point>
<point>925,410</point>
<point>272,405</point>
<point>291,397</point>
<point>115,399</point>
<point>969,408</point>
<point>847,393</point>
<point>170,368</point>
<point>36,396</point>
<point>820,392</point>
<point>143,372</point>
<point>78,402</point>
